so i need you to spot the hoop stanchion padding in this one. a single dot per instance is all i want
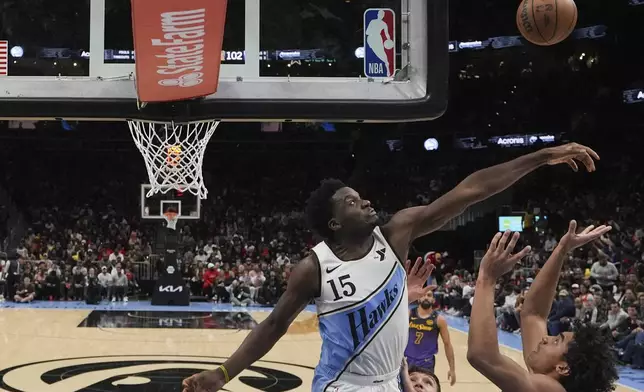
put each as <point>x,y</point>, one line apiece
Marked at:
<point>173,154</point>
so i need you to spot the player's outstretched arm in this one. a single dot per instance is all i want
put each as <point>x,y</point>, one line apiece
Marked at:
<point>302,286</point>
<point>538,301</point>
<point>482,345</point>
<point>449,349</point>
<point>411,223</point>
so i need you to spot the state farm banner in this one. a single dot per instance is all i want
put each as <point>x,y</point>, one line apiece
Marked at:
<point>178,47</point>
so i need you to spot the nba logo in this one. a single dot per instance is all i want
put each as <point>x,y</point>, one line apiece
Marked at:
<point>380,43</point>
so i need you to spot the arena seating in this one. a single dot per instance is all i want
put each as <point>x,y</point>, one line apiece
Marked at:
<point>253,231</point>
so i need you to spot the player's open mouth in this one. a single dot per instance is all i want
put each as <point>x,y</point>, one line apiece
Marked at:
<point>372,211</point>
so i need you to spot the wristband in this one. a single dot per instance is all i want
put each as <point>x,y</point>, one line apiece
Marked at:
<point>223,370</point>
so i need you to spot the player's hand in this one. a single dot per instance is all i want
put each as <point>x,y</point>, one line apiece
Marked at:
<point>404,375</point>
<point>208,381</point>
<point>572,153</point>
<point>573,240</point>
<point>499,259</point>
<point>417,277</point>
<point>451,377</point>
<point>404,367</point>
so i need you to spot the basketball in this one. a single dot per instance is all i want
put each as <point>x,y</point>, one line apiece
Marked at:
<point>546,22</point>
<point>180,178</point>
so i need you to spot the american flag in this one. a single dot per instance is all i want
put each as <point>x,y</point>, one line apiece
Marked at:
<point>4,58</point>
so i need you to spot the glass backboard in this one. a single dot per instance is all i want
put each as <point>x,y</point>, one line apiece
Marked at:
<point>280,60</point>
<point>185,204</point>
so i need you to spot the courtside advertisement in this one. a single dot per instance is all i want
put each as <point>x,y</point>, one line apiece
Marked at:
<point>178,48</point>
<point>380,43</point>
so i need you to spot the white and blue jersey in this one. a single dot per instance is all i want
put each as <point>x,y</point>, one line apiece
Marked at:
<point>363,314</point>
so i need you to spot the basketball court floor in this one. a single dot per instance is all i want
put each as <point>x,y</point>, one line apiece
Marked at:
<point>70,346</point>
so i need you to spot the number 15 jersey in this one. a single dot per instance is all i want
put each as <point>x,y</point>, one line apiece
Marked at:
<point>363,315</point>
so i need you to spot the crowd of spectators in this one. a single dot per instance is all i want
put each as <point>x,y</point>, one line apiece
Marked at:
<point>601,284</point>
<point>252,233</point>
<point>593,288</point>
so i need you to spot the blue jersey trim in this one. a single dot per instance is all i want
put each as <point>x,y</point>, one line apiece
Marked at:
<point>346,335</point>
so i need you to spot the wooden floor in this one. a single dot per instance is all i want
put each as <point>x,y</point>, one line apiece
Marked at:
<point>43,351</point>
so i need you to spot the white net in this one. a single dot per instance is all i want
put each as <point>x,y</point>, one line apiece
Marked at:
<point>171,220</point>
<point>173,154</point>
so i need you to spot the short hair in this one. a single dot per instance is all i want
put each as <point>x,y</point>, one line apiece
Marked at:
<point>591,361</point>
<point>319,207</point>
<point>418,369</point>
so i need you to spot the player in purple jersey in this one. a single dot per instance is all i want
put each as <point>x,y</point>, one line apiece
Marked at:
<point>425,325</point>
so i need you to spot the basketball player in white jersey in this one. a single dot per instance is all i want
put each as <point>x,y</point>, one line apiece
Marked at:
<point>374,39</point>
<point>359,284</point>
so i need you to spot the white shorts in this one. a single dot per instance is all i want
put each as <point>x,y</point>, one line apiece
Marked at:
<point>389,386</point>
<point>353,383</point>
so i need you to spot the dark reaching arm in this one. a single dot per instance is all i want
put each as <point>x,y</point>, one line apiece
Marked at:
<point>411,223</point>
<point>449,349</point>
<point>302,286</point>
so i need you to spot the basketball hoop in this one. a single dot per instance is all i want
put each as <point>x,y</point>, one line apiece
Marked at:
<point>173,154</point>
<point>171,218</point>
